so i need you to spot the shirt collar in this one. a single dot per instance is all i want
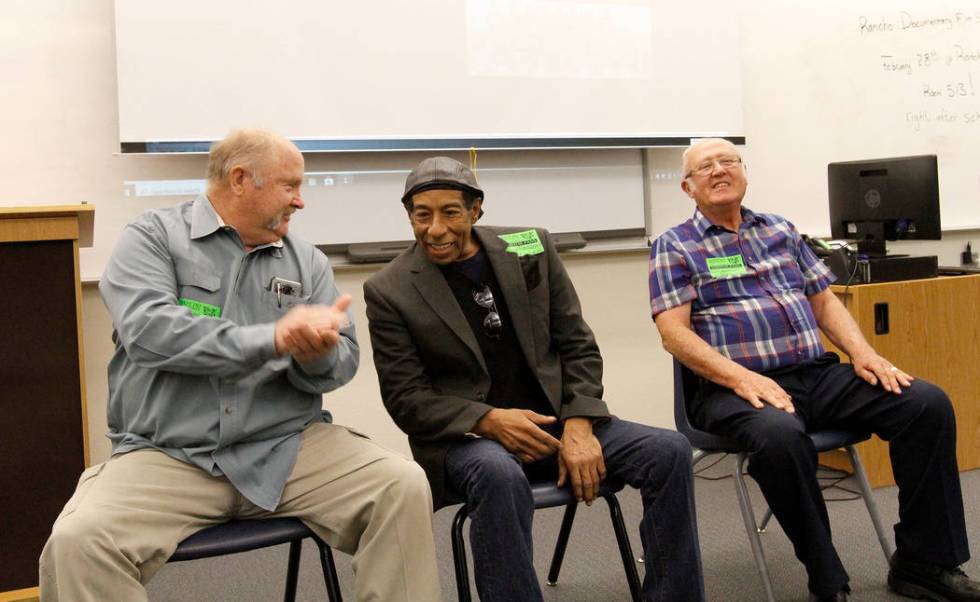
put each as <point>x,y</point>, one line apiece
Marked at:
<point>703,224</point>
<point>206,221</point>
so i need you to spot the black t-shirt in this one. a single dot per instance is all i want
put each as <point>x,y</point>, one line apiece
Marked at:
<point>512,383</point>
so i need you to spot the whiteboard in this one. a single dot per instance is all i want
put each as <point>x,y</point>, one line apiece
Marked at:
<point>365,75</point>
<point>356,198</point>
<point>842,80</point>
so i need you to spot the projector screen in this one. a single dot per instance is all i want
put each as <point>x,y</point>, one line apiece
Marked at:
<point>430,74</point>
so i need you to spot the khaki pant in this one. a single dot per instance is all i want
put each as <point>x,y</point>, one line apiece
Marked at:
<point>129,513</point>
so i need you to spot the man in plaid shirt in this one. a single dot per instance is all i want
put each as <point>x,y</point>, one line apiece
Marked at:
<point>738,297</point>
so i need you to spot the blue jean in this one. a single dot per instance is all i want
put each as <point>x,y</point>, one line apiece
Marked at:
<point>495,486</point>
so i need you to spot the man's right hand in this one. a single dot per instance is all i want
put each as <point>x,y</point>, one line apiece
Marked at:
<point>308,332</point>
<point>518,431</point>
<point>756,389</point>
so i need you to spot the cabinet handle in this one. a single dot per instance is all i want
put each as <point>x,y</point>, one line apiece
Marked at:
<point>881,318</point>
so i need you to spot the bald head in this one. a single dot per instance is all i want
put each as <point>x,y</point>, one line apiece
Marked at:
<point>687,163</point>
<point>252,149</point>
<point>715,178</point>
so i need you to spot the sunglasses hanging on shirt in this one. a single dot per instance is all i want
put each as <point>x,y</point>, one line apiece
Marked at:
<point>492,324</point>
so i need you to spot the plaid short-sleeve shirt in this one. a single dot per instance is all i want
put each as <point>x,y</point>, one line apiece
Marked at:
<point>748,289</point>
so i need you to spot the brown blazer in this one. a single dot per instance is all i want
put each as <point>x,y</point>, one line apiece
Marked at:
<point>432,374</point>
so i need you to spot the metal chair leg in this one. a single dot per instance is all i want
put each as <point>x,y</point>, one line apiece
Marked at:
<point>625,550</point>
<point>748,516</point>
<point>869,501</point>
<point>768,515</point>
<point>698,456</point>
<point>561,544</point>
<point>292,569</point>
<point>765,521</point>
<point>329,568</point>
<point>459,556</point>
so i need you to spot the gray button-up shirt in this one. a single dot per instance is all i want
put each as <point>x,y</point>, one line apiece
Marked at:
<point>195,373</point>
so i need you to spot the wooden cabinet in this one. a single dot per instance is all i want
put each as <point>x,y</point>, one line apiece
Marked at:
<point>931,329</point>
<point>43,441</point>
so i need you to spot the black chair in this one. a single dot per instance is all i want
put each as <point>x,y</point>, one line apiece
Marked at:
<point>548,495</point>
<point>685,385</point>
<point>244,535</point>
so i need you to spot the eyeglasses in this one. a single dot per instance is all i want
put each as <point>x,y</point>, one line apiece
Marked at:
<point>492,325</point>
<point>706,167</point>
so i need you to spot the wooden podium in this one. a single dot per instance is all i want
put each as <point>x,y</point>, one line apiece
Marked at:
<point>43,439</point>
<point>929,328</point>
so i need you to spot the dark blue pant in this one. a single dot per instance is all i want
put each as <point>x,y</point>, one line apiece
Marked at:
<point>918,424</point>
<point>495,486</point>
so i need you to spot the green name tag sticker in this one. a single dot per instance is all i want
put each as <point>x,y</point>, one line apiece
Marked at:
<point>523,243</point>
<point>201,309</point>
<point>722,267</point>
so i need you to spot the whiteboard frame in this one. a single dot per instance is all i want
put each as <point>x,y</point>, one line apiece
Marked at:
<point>338,145</point>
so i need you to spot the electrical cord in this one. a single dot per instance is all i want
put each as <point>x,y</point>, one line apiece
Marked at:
<point>850,262</point>
<point>838,492</point>
<point>836,478</point>
<point>698,475</point>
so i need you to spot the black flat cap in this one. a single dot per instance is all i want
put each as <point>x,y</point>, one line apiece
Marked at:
<point>440,173</point>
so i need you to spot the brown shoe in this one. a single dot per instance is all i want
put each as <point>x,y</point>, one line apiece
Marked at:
<point>931,582</point>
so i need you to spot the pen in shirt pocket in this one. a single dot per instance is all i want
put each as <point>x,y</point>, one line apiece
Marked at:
<point>281,286</point>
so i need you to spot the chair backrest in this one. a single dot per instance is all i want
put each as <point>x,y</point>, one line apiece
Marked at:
<point>685,385</point>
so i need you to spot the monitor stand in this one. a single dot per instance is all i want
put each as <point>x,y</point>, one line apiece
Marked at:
<point>870,238</point>
<point>872,247</point>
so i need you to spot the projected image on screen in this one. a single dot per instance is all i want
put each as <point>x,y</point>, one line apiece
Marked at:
<point>559,39</point>
<point>395,75</point>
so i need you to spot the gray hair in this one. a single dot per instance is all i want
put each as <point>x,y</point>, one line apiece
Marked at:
<point>701,142</point>
<point>250,148</point>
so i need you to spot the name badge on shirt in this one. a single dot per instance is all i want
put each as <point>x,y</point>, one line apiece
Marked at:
<point>723,267</point>
<point>523,243</point>
<point>201,309</point>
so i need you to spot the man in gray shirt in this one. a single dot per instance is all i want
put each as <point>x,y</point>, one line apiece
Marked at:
<point>227,332</point>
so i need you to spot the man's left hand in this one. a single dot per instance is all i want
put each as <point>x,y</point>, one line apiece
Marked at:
<point>580,458</point>
<point>875,369</point>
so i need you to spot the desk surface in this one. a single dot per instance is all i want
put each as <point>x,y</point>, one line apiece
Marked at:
<point>84,213</point>
<point>959,270</point>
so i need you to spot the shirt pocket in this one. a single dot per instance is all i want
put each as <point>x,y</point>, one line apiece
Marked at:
<point>713,290</point>
<point>197,282</point>
<point>272,306</point>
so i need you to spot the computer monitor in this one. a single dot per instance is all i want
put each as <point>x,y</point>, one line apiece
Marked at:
<point>884,199</point>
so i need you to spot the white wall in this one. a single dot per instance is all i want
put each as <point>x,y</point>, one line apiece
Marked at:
<point>58,100</point>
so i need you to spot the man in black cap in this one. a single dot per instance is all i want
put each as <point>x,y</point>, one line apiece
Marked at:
<point>486,363</point>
